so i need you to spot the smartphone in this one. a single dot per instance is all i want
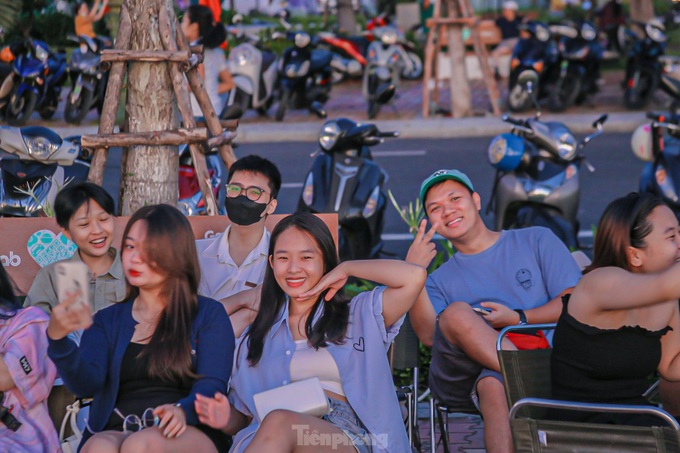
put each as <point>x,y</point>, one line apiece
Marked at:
<point>482,310</point>
<point>72,277</point>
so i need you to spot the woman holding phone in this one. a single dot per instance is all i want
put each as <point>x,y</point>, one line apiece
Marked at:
<point>621,323</point>
<point>307,328</point>
<point>146,359</point>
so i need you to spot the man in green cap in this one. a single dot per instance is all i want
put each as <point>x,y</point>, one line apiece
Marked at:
<point>494,280</point>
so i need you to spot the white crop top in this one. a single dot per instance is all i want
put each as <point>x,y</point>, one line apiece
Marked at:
<point>308,362</point>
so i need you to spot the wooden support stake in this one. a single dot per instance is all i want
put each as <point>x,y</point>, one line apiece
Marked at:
<point>431,52</point>
<point>157,138</point>
<point>107,118</point>
<point>224,138</point>
<point>184,106</point>
<point>144,55</point>
<point>197,87</point>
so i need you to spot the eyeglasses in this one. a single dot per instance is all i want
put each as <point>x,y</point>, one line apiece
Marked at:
<point>253,193</point>
<point>133,423</point>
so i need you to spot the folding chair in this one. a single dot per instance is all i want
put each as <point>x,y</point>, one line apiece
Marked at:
<point>439,415</point>
<point>404,354</point>
<point>526,376</point>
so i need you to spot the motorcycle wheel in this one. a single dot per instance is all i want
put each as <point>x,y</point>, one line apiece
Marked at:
<point>284,99</point>
<point>564,93</point>
<point>518,99</point>
<point>20,108</point>
<point>74,113</point>
<point>47,111</point>
<point>638,96</point>
<point>417,71</point>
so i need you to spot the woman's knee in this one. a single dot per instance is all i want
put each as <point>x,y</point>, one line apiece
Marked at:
<point>279,421</point>
<point>146,440</point>
<point>104,443</point>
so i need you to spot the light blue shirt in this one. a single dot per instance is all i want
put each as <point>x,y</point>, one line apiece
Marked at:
<point>364,372</point>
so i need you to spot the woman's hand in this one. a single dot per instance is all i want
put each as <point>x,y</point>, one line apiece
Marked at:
<point>173,420</point>
<point>500,316</point>
<point>214,412</point>
<point>422,251</point>
<point>332,281</point>
<point>67,316</point>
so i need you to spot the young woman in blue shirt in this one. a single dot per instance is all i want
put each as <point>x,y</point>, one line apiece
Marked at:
<point>158,349</point>
<point>305,320</point>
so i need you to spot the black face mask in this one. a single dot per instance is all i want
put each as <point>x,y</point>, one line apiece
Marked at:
<point>243,211</point>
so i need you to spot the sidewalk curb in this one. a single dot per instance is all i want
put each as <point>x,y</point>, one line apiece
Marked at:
<point>433,128</point>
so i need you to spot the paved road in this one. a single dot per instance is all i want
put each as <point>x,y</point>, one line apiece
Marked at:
<point>408,162</point>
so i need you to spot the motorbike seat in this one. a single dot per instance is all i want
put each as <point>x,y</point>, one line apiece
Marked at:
<point>671,86</point>
<point>320,59</point>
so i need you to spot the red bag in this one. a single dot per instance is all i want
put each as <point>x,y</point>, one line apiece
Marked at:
<point>525,341</point>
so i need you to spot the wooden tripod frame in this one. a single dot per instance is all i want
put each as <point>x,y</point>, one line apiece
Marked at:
<point>181,60</point>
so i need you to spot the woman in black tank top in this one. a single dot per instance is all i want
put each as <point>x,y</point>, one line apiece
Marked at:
<point>621,322</point>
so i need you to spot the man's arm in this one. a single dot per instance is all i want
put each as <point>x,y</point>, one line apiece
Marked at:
<point>423,318</point>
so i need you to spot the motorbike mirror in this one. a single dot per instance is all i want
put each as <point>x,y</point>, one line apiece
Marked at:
<point>317,108</point>
<point>385,93</point>
<point>600,121</point>
<point>528,78</point>
<point>237,19</point>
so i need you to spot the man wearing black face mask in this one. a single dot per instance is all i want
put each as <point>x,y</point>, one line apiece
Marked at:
<point>233,262</point>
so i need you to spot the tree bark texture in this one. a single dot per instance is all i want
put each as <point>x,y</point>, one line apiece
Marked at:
<point>461,95</point>
<point>642,10</point>
<point>346,20</point>
<point>150,173</point>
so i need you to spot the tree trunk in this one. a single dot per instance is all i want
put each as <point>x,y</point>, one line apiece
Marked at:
<point>641,10</point>
<point>150,172</point>
<point>346,20</point>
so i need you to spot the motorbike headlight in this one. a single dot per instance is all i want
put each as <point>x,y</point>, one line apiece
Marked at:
<point>302,39</point>
<point>655,33</point>
<point>389,36</point>
<point>641,143</point>
<point>542,33</point>
<point>505,151</point>
<point>329,135</point>
<point>308,190</point>
<point>83,48</point>
<point>665,184</point>
<point>588,32</point>
<point>566,147</point>
<point>372,203</point>
<point>40,147</point>
<point>41,54</point>
<point>240,56</point>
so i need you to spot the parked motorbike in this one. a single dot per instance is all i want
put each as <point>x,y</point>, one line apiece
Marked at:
<point>535,51</point>
<point>643,68</point>
<point>191,200</point>
<point>580,53</point>
<point>36,82</point>
<point>537,173</point>
<point>88,82</point>
<point>35,163</point>
<point>383,67</point>
<point>305,75</point>
<point>345,180</point>
<point>350,52</point>
<point>254,72</point>
<point>658,144</point>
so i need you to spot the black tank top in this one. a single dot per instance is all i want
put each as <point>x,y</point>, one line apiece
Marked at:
<point>137,391</point>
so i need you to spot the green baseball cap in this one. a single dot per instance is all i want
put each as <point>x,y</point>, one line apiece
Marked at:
<point>442,175</point>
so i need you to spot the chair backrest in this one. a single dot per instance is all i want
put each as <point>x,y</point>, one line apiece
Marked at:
<point>406,346</point>
<point>526,374</point>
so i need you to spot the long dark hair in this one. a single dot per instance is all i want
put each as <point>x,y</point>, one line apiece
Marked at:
<point>170,249</point>
<point>624,224</point>
<point>212,34</point>
<point>332,325</point>
<point>9,304</point>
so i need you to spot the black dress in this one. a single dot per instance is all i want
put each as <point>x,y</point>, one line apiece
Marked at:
<point>610,366</point>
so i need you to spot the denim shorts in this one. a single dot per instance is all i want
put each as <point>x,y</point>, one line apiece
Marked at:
<point>343,416</point>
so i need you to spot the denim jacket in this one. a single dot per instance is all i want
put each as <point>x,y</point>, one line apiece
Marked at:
<point>362,362</point>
